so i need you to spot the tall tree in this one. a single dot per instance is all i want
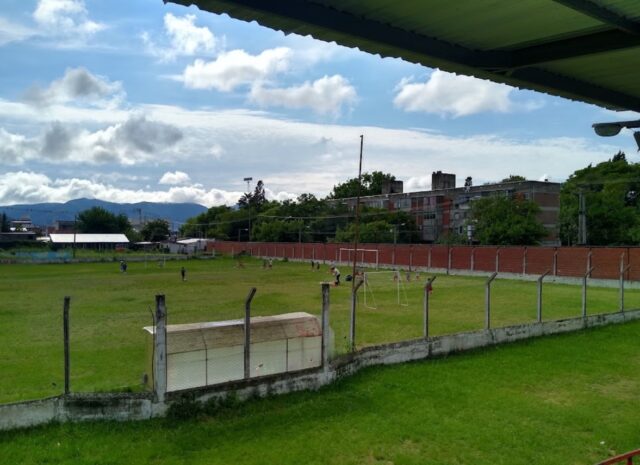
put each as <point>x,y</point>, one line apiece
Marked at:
<point>98,220</point>
<point>255,200</point>
<point>506,221</point>
<point>156,230</point>
<point>371,185</point>
<point>610,191</point>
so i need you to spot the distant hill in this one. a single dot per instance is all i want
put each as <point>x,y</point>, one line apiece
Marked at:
<point>45,214</point>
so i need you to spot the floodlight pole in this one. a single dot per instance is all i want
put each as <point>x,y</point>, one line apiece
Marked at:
<point>357,223</point>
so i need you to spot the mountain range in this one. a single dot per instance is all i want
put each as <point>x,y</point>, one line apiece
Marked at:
<point>45,214</point>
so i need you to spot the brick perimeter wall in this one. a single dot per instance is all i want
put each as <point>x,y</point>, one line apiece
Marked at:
<point>569,261</point>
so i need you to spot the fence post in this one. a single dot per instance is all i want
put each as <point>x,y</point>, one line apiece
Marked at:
<point>555,262</point>
<point>540,295</point>
<point>411,259</point>
<point>524,261</point>
<point>497,259</point>
<point>449,251</point>
<point>623,270</point>
<point>325,325</point>
<point>247,333</point>
<point>160,350</point>
<point>429,259</point>
<point>473,258</point>
<point>427,290</point>
<point>65,330</point>
<point>584,292</point>
<point>352,326</point>
<point>487,301</point>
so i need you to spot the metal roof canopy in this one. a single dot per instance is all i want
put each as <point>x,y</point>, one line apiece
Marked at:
<point>586,50</point>
<point>88,238</point>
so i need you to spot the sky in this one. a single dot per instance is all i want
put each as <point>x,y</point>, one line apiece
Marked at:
<point>145,101</point>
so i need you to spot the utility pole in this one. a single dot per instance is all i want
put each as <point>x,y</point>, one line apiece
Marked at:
<point>582,218</point>
<point>357,223</point>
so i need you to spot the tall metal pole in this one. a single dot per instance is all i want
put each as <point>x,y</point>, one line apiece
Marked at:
<point>539,315</point>
<point>428,287</point>
<point>487,301</point>
<point>325,325</point>
<point>357,225</point>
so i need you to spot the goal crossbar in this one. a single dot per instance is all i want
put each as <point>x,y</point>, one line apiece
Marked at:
<point>362,254</point>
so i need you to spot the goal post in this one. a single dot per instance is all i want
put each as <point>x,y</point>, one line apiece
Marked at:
<point>365,256</point>
<point>384,288</point>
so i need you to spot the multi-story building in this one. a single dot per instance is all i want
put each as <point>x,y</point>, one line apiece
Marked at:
<point>445,209</point>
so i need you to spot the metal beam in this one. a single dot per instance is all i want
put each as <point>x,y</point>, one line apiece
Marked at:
<point>574,47</point>
<point>603,14</point>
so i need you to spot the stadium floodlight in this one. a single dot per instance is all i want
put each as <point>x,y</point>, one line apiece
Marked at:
<point>248,181</point>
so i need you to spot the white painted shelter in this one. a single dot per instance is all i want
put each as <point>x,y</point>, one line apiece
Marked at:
<point>201,354</point>
<point>89,240</point>
<point>188,246</point>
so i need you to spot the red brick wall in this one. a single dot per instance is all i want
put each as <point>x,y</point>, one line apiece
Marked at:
<point>511,259</point>
<point>461,258</point>
<point>540,259</point>
<point>485,259</point>
<point>572,261</point>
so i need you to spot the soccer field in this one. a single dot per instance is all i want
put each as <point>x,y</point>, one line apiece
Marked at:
<point>109,309</point>
<point>569,399</point>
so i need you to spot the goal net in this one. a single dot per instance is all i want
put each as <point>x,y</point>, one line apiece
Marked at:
<point>365,257</point>
<point>384,289</point>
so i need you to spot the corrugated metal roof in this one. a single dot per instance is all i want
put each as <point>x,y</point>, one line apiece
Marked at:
<point>89,238</point>
<point>587,50</point>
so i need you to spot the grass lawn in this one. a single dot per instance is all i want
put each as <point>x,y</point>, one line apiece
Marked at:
<point>569,399</point>
<point>109,309</point>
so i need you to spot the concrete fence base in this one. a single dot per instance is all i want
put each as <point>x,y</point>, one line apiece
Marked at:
<point>125,406</point>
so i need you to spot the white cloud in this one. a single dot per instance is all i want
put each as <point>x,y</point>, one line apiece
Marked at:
<point>454,95</point>
<point>235,68</point>
<point>326,95</point>
<point>66,18</point>
<point>15,148</point>
<point>32,187</point>
<point>13,32</point>
<point>81,86</point>
<point>175,178</point>
<point>136,140</point>
<point>184,36</point>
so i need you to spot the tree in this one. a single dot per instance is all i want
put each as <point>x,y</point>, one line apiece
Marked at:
<point>610,191</point>
<point>468,182</point>
<point>98,220</point>
<point>506,221</point>
<point>514,178</point>
<point>156,230</point>
<point>371,185</point>
<point>255,200</point>
<point>4,223</point>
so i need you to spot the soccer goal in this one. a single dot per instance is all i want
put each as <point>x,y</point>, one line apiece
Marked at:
<point>366,257</point>
<point>384,288</point>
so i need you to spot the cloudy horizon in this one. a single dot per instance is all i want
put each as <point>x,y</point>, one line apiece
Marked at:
<point>154,102</point>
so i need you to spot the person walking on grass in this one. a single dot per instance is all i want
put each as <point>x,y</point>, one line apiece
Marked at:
<point>183,273</point>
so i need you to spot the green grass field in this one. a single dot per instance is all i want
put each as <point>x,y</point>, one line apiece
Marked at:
<point>109,309</point>
<point>570,399</point>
